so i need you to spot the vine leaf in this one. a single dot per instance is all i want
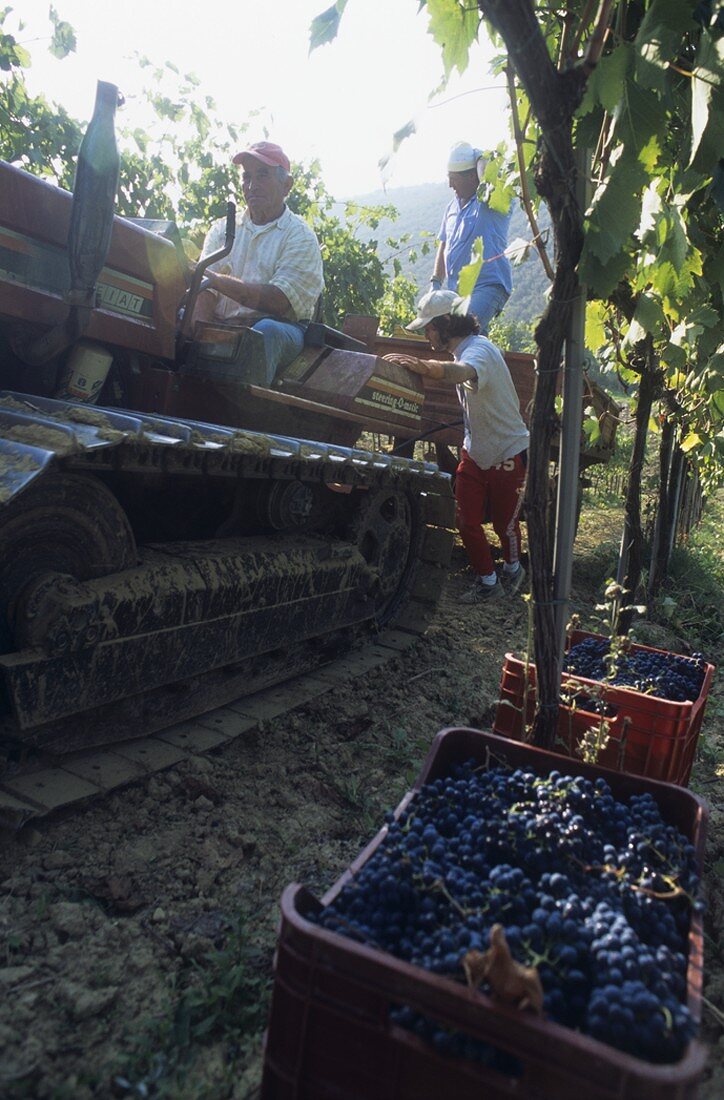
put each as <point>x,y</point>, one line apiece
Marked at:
<point>325,26</point>
<point>707,102</point>
<point>616,208</point>
<point>595,327</point>
<point>454,26</point>
<point>602,278</point>
<point>674,356</point>
<point>658,40</point>
<point>518,251</point>
<point>497,190</point>
<point>402,134</point>
<point>639,116</point>
<point>469,274</point>
<point>649,314</point>
<point>398,137</point>
<point>606,82</point>
<point>508,979</point>
<point>715,266</point>
<point>63,41</point>
<point>592,432</point>
<point>12,55</point>
<point>676,261</point>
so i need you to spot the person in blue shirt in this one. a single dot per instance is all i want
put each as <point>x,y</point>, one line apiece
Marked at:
<point>466,219</point>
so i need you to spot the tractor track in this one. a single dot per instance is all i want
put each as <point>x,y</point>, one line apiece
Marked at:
<point>39,435</point>
<point>41,784</point>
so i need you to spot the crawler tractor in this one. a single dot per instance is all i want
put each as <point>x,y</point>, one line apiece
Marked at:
<point>174,532</point>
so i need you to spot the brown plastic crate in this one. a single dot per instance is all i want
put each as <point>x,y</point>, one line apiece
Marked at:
<point>330,1036</point>
<point>648,736</point>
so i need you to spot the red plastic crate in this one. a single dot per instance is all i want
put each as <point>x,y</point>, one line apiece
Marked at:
<point>648,736</point>
<point>330,1036</point>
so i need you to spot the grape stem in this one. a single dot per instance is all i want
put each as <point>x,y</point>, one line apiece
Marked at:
<point>716,1012</point>
<point>676,891</point>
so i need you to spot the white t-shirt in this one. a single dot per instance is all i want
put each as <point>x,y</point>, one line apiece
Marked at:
<point>284,253</point>
<point>494,428</point>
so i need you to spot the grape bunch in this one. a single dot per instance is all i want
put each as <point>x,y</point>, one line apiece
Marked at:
<point>666,675</point>
<point>595,893</point>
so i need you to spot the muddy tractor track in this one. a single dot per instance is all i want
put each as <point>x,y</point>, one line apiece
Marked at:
<point>156,570</point>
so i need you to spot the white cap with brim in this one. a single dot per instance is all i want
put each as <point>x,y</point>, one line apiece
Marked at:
<point>436,303</point>
<point>463,157</point>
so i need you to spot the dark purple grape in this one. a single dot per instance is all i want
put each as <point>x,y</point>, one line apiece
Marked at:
<point>573,876</point>
<point>665,675</point>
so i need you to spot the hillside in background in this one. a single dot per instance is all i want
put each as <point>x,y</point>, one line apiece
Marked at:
<point>420,213</point>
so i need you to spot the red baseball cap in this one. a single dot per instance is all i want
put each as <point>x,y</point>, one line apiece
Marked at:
<point>267,153</point>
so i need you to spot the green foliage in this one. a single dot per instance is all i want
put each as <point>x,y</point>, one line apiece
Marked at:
<point>325,26</point>
<point>469,272</point>
<point>606,84</point>
<point>512,335</point>
<point>707,106</point>
<point>659,38</point>
<point>615,213</point>
<point>653,225</point>
<point>454,26</point>
<point>353,274</point>
<point>180,169</point>
<point>653,229</point>
<point>63,41</point>
<point>34,134</point>
<point>223,998</point>
<point>398,305</point>
<point>692,599</point>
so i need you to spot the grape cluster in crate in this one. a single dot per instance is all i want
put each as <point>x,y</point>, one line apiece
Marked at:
<point>594,893</point>
<point>653,672</point>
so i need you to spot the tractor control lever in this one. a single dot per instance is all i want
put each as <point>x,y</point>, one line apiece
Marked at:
<point>203,265</point>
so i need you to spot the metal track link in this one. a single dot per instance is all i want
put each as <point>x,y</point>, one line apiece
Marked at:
<point>38,432</point>
<point>82,777</point>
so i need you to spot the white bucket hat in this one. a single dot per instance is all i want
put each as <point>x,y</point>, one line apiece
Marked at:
<point>463,157</point>
<point>436,303</point>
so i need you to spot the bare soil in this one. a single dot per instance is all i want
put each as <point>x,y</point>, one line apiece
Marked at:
<point>137,934</point>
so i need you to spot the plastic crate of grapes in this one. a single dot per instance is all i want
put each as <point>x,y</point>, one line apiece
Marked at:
<point>647,734</point>
<point>343,1011</point>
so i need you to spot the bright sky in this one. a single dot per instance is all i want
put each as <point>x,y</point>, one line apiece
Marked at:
<point>341,104</point>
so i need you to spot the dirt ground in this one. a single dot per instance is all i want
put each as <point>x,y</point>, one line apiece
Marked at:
<point>137,934</point>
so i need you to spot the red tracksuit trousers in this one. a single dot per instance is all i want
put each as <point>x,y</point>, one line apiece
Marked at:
<point>497,493</point>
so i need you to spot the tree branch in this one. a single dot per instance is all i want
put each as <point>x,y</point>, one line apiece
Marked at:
<point>524,189</point>
<point>582,25</point>
<point>554,98</point>
<point>566,46</point>
<point>598,38</point>
<point>599,161</point>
